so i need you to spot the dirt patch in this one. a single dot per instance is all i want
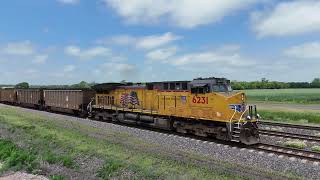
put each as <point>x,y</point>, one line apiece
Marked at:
<point>22,175</point>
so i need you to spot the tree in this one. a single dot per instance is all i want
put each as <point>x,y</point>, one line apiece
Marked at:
<point>316,82</point>
<point>23,85</point>
<point>81,85</point>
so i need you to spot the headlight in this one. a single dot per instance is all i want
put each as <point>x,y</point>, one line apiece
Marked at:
<point>258,116</point>
<point>248,118</point>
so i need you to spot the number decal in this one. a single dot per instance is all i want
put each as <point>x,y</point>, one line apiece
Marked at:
<point>200,100</point>
<point>194,99</point>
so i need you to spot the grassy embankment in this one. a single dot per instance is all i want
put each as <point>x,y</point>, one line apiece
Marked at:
<point>296,96</point>
<point>41,140</point>
<point>291,117</point>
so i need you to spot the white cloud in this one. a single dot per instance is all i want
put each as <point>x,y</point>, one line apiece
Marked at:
<point>24,48</point>
<point>183,13</point>
<point>161,54</point>
<point>69,1</point>
<point>309,50</point>
<point>122,67</point>
<point>69,68</point>
<point>211,58</point>
<point>143,42</point>
<point>288,18</point>
<point>66,72</point>
<point>40,59</point>
<point>113,71</point>
<point>150,42</point>
<point>87,53</point>
<point>121,40</point>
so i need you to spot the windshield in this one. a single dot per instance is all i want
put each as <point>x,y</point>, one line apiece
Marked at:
<point>222,88</point>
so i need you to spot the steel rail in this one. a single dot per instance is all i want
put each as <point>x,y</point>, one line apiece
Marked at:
<point>288,151</point>
<point>289,135</point>
<point>308,127</point>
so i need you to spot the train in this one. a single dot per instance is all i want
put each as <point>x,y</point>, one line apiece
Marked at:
<point>206,107</point>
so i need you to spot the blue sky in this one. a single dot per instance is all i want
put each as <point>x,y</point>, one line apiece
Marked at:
<point>66,41</point>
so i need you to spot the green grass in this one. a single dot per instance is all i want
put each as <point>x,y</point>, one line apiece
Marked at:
<point>57,177</point>
<point>109,169</point>
<point>15,158</point>
<point>295,144</point>
<point>315,148</point>
<point>300,96</point>
<point>47,137</point>
<point>291,117</point>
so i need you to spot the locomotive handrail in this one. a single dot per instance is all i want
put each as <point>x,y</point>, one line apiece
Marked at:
<point>235,111</point>
<point>89,107</point>
<point>246,109</point>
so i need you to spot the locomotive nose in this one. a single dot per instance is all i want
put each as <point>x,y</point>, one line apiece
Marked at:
<point>249,133</point>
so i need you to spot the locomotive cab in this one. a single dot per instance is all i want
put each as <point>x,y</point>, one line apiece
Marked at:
<point>242,125</point>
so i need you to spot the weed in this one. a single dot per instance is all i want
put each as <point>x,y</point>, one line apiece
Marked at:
<point>55,159</point>
<point>15,158</point>
<point>315,148</point>
<point>295,144</point>
<point>67,161</point>
<point>56,177</point>
<point>110,168</point>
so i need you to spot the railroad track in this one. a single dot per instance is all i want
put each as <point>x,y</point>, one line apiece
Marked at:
<point>289,135</point>
<point>317,128</point>
<point>290,152</point>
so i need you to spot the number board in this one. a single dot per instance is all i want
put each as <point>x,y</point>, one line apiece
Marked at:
<point>200,100</point>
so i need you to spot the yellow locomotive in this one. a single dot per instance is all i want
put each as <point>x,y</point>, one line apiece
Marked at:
<point>204,107</point>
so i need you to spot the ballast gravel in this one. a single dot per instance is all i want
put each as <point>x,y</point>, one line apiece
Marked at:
<point>216,151</point>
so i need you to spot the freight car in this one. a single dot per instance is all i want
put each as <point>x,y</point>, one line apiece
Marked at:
<point>204,107</point>
<point>68,101</point>
<point>8,95</point>
<point>30,98</point>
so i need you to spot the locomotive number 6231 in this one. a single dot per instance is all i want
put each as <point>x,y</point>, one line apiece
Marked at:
<point>200,100</point>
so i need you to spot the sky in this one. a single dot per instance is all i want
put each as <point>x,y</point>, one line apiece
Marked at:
<point>67,41</point>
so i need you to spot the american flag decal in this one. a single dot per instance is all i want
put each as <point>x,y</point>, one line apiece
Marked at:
<point>131,98</point>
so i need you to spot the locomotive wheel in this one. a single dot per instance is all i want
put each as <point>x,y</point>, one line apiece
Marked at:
<point>249,134</point>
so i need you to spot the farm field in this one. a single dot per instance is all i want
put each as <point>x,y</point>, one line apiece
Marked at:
<point>294,96</point>
<point>298,106</point>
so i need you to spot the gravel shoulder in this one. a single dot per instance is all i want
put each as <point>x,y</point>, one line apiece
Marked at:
<point>244,162</point>
<point>22,176</point>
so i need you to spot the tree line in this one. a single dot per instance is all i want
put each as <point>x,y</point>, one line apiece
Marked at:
<point>236,85</point>
<point>266,84</point>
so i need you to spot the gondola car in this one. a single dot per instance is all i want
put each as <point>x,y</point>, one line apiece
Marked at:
<point>30,98</point>
<point>204,107</point>
<point>73,101</point>
<point>8,95</point>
